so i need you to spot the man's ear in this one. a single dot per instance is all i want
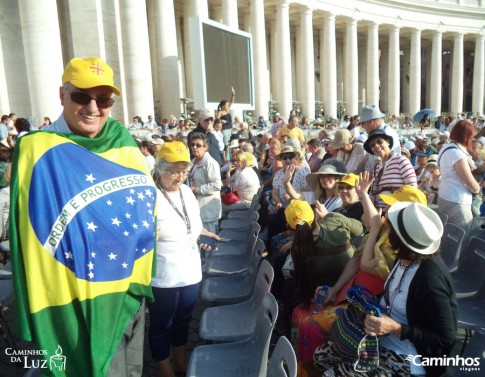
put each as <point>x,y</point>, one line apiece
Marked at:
<point>61,95</point>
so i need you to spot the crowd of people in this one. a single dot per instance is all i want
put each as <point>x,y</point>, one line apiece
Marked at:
<point>356,205</point>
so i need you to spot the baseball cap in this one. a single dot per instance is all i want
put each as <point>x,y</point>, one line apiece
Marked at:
<point>206,114</point>
<point>405,193</point>
<point>174,151</point>
<point>299,212</point>
<point>351,179</point>
<point>86,73</point>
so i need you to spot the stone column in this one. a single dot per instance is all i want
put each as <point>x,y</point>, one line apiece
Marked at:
<point>229,13</point>
<point>394,83</point>
<point>43,55</point>
<point>153,41</point>
<point>415,72</point>
<point>362,74</point>
<point>284,57</point>
<point>169,82</point>
<point>456,105</point>
<point>308,65</point>
<point>351,67</point>
<point>260,63</point>
<point>478,75</point>
<point>136,58</point>
<point>274,65</point>
<point>436,69</point>
<point>328,66</point>
<point>191,8</point>
<point>372,83</point>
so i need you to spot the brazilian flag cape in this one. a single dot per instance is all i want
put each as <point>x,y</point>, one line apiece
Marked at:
<point>82,242</point>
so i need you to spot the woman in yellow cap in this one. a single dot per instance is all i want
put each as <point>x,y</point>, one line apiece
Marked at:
<point>176,283</point>
<point>320,252</point>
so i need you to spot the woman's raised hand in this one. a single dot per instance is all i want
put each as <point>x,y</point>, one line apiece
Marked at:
<point>364,184</point>
<point>288,174</point>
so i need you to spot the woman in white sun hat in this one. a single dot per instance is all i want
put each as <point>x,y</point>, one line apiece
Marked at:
<point>418,304</point>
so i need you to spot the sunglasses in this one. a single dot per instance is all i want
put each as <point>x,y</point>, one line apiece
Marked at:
<point>377,142</point>
<point>84,99</point>
<point>194,145</point>
<point>287,156</point>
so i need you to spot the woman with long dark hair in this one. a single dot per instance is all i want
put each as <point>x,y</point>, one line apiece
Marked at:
<point>225,116</point>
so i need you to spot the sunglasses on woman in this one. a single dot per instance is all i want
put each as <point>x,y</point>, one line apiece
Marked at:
<point>377,142</point>
<point>287,156</point>
<point>84,99</point>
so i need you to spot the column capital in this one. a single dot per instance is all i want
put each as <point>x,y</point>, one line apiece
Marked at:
<point>351,21</point>
<point>459,35</point>
<point>372,25</point>
<point>307,10</point>
<point>329,16</point>
<point>283,4</point>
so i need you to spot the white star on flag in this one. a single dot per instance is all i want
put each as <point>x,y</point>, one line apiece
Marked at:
<point>141,196</point>
<point>91,226</point>
<point>130,200</point>
<point>93,254</point>
<point>127,215</point>
<point>135,226</point>
<point>109,202</point>
<point>124,265</point>
<point>148,193</point>
<point>91,275</point>
<point>126,233</point>
<point>132,191</point>
<point>112,256</point>
<point>68,255</point>
<point>144,251</point>
<point>145,224</point>
<point>90,178</point>
<point>149,204</point>
<point>150,212</point>
<point>91,265</point>
<point>115,221</point>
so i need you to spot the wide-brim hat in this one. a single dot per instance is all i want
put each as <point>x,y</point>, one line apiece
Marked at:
<point>419,227</point>
<point>312,179</point>
<point>370,112</point>
<point>234,144</point>
<point>374,134</point>
<point>342,138</point>
<point>288,149</point>
<point>405,193</point>
<point>87,73</point>
<point>432,160</point>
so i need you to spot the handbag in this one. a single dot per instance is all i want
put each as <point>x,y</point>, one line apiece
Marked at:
<point>476,203</point>
<point>347,332</point>
<point>228,198</point>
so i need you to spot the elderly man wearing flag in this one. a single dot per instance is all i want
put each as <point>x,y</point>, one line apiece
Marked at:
<point>82,233</point>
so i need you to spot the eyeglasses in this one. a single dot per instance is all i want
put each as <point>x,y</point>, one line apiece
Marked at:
<point>84,99</point>
<point>194,145</point>
<point>377,142</point>
<point>345,187</point>
<point>176,174</point>
<point>287,156</point>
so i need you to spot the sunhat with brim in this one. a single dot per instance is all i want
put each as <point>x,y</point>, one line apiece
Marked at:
<point>419,227</point>
<point>234,144</point>
<point>405,193</point>
<point>298,213</point>
<point>350,179</point>
<point>370,112</point>
<point>342,138</point>
<point>405,152</point>
<point>174,151</point>
<point>87,73</point>
<point>375,134</point>
<point>312,179</point>
<point>288,149</point>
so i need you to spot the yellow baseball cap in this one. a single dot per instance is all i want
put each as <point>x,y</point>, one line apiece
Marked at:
<point>299,212</point>
<point>174,151</point>
<point>86,73</point>
<point>406,193</point>
<point>351,179</point>
<point>250,158</point>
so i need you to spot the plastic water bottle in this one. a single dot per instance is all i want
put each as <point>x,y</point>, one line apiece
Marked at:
<point>319,302</point>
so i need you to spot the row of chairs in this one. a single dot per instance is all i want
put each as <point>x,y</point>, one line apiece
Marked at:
<point>237,277</point>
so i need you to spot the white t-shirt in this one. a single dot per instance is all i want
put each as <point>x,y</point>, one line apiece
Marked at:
<point>452,188</point>
<point>178,257</point>
<point>246,184</point>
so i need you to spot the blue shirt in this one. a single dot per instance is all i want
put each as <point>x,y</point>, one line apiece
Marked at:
<point>3,131</point>
<point>59,125</point>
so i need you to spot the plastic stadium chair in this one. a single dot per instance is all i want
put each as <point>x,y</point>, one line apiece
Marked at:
<point>239,224</point>
<point>238,321</point>
<point>6,300</point>
<point>238,247</point>
<point>470,275</point>
<point>235,234</point>
<point>232,288</point>
<point>283,360</point>
<point>244,214</point>
<point>243,358</point>
<point>231,264</point>
<point>471,311</point>
<point>451,244</point>
<point>443,216</point>
<point>477,229</point>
